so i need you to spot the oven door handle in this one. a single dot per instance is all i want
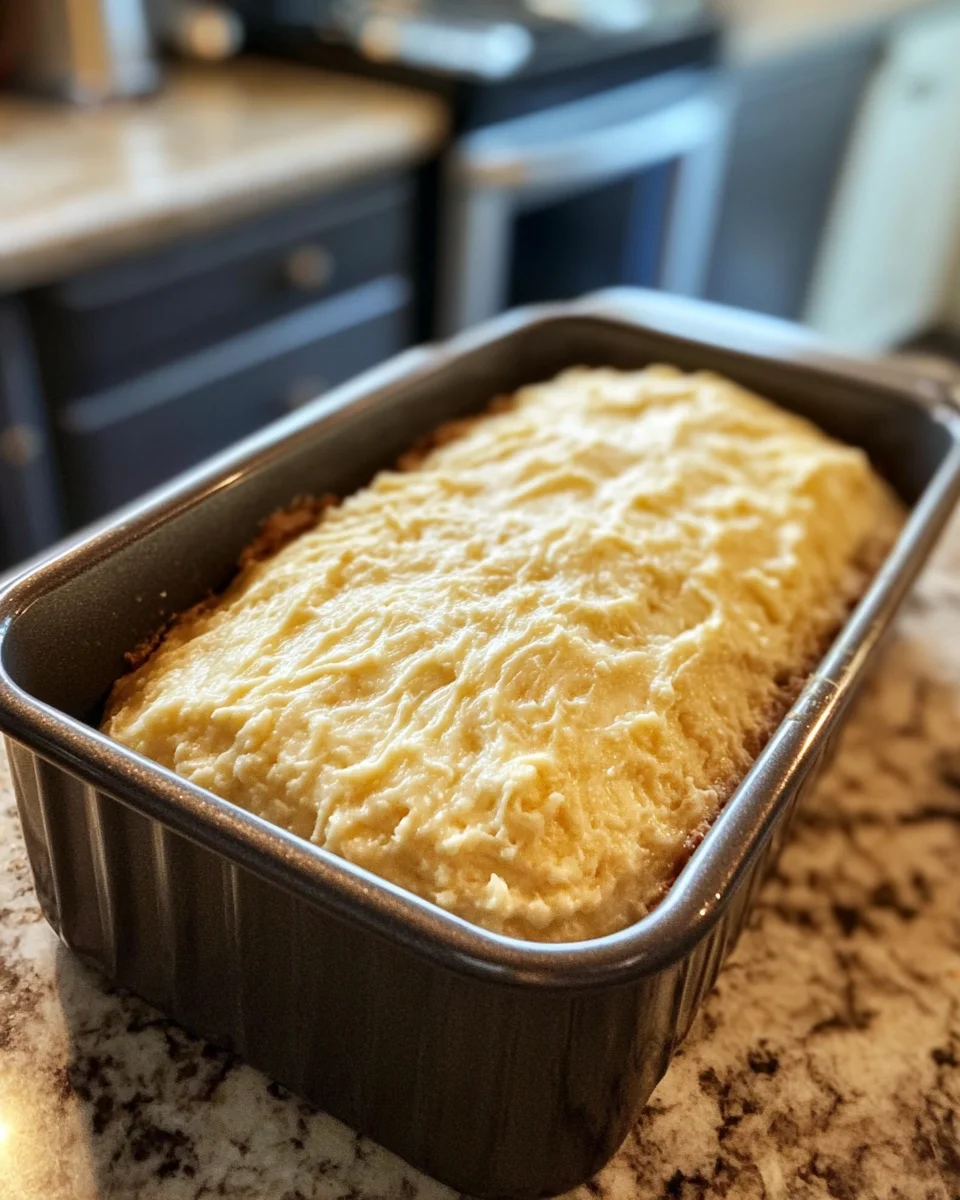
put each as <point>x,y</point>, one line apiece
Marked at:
<point>591,157</point>
<point>495,174</point>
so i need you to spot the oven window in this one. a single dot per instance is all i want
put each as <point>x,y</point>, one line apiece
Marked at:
<point>613,235</point>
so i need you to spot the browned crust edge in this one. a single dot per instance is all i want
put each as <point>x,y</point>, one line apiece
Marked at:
<point>869,561</point>
<point>286,524</point>
<point>275,531</point>
<point>449,431</point>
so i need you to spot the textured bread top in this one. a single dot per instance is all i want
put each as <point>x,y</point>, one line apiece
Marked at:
<point>521,678</point>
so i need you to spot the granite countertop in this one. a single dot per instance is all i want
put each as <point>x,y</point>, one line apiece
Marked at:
<point>81,185</point>
<point>825,1063</point>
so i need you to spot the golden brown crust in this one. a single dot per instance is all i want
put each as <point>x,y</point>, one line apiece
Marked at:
<point>869,560</point>
<point>449,431</point>
<point>274,532</point>
<point>283,525</point>
<point>143,650</point>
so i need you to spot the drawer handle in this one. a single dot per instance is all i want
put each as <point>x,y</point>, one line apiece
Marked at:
<point>302,391</point>
<point>309,267</point>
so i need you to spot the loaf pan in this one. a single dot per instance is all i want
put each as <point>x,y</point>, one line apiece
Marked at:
<point>501,1067</point>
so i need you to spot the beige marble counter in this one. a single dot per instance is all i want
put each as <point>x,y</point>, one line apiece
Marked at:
<point>81,186</point>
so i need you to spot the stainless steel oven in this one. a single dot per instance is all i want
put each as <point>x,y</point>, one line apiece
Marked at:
<point>618,188</point>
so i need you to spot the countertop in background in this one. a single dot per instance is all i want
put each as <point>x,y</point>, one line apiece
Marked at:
<point>78,186</point>
<point>825,1063</point>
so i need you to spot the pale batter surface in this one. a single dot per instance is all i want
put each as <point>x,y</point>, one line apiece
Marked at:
<point>521,678</point>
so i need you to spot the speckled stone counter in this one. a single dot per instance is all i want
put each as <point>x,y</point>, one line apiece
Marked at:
<point>826,1063</point>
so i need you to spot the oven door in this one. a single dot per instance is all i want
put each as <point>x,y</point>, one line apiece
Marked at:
<point>621,188</point>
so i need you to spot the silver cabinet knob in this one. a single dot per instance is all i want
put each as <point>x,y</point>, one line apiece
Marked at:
<point>309,267</point>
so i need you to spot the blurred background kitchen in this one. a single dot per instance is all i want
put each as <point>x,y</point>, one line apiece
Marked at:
<point>212,213</point>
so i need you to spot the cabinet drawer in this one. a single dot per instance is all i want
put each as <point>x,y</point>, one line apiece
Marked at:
<point>112,324</point>
<point>118,443</point>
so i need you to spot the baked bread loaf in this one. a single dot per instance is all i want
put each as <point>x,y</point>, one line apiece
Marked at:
<point>520,675</point>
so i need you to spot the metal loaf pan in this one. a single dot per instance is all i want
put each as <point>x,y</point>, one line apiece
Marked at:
<point>503,1068</point>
